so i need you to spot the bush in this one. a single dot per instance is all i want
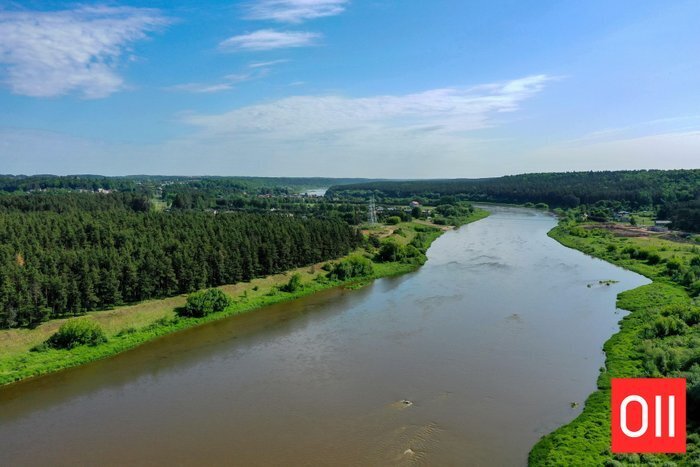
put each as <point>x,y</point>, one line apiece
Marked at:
<point>694,289</point>
<point>666,326</point>
<point>389,251</point>
<point>77,332</point>
<point>393,220</point>
<point>355,266</point>
<point>673,265</point>
<point>205,302</point>
<point>653,258</point>
<point>293,285</point>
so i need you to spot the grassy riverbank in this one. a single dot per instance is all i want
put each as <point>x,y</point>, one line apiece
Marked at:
<point>130,326</point>
<point>659,337</point>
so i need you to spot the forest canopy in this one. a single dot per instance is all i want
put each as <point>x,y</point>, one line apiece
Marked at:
<point>55,264</point>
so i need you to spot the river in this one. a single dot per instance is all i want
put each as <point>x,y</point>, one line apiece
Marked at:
<point>488,344</point>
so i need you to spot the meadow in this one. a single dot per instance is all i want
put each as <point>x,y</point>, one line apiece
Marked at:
<point>659,337</point>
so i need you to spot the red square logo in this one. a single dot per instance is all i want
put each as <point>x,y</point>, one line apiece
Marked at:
<point>648,415</point>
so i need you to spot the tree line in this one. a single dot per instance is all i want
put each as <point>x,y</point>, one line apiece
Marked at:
<point>169,185</point>
<point>674,193</point>
<point>75,260</point>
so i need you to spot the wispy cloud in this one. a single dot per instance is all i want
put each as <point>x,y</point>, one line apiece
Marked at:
<point>268,39</point>
<point>294,11</point>
<point>449,109</point>
<point>381,136</point>
<point>228,82</point>
<point>267,64</point>
<point>670,125</point>
<point>201,88</point>
<point>52,53</point>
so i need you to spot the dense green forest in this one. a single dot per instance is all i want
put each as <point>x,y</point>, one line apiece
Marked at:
<point>69,253</point>
<point>71,244</point>
<point>675,194</point>
<point>24,183</point>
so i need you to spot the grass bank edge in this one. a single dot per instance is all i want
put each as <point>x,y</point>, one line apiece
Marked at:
<point>32,364</point>
<point>586,439</point>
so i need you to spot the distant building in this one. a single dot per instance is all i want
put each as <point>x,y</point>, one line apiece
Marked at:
<point>415,204</point>
<point>660,226</point>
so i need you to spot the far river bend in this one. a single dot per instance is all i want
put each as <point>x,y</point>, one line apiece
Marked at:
<point>491,341</point>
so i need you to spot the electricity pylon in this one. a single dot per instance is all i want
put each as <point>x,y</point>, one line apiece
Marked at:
<point>372,213</point>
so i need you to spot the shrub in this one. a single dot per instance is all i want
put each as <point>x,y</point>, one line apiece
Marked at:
<point>355,266</point>
<point>642,254</point>
<point>694,289</point>
<point>653,258</point>
<point>389,251</point>
<point>77,332</point>
<point>393,220</point>
<point>205,302</point>
<point>666,326</point>
<point>293,285</point>
<point>673,265</point>
<point>410,251</point>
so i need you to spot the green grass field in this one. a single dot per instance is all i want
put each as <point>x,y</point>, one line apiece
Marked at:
<point>632,352</point>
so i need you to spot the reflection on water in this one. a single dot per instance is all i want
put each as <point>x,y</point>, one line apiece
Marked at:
<point>467,361</point>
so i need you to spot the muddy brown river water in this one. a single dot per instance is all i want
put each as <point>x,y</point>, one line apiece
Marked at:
<point>489,343</point>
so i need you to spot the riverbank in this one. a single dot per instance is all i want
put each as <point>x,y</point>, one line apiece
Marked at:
<point>645,345</point>
<point>130,326</point>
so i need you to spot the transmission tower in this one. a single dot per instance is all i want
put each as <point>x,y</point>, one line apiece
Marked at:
<point>372,213</point>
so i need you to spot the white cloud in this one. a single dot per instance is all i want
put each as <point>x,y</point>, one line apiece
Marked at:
<point>267,64</point>
<point>227,82</point>
<point>447,110</point>
<point>383,136</point>
<point>52,53</point>
<point>268,39</point>
<point>201,88</point>
<point>425,134</point>
<point>294,11</point>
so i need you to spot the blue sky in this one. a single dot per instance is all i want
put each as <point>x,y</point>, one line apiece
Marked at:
<point>368,88</point>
